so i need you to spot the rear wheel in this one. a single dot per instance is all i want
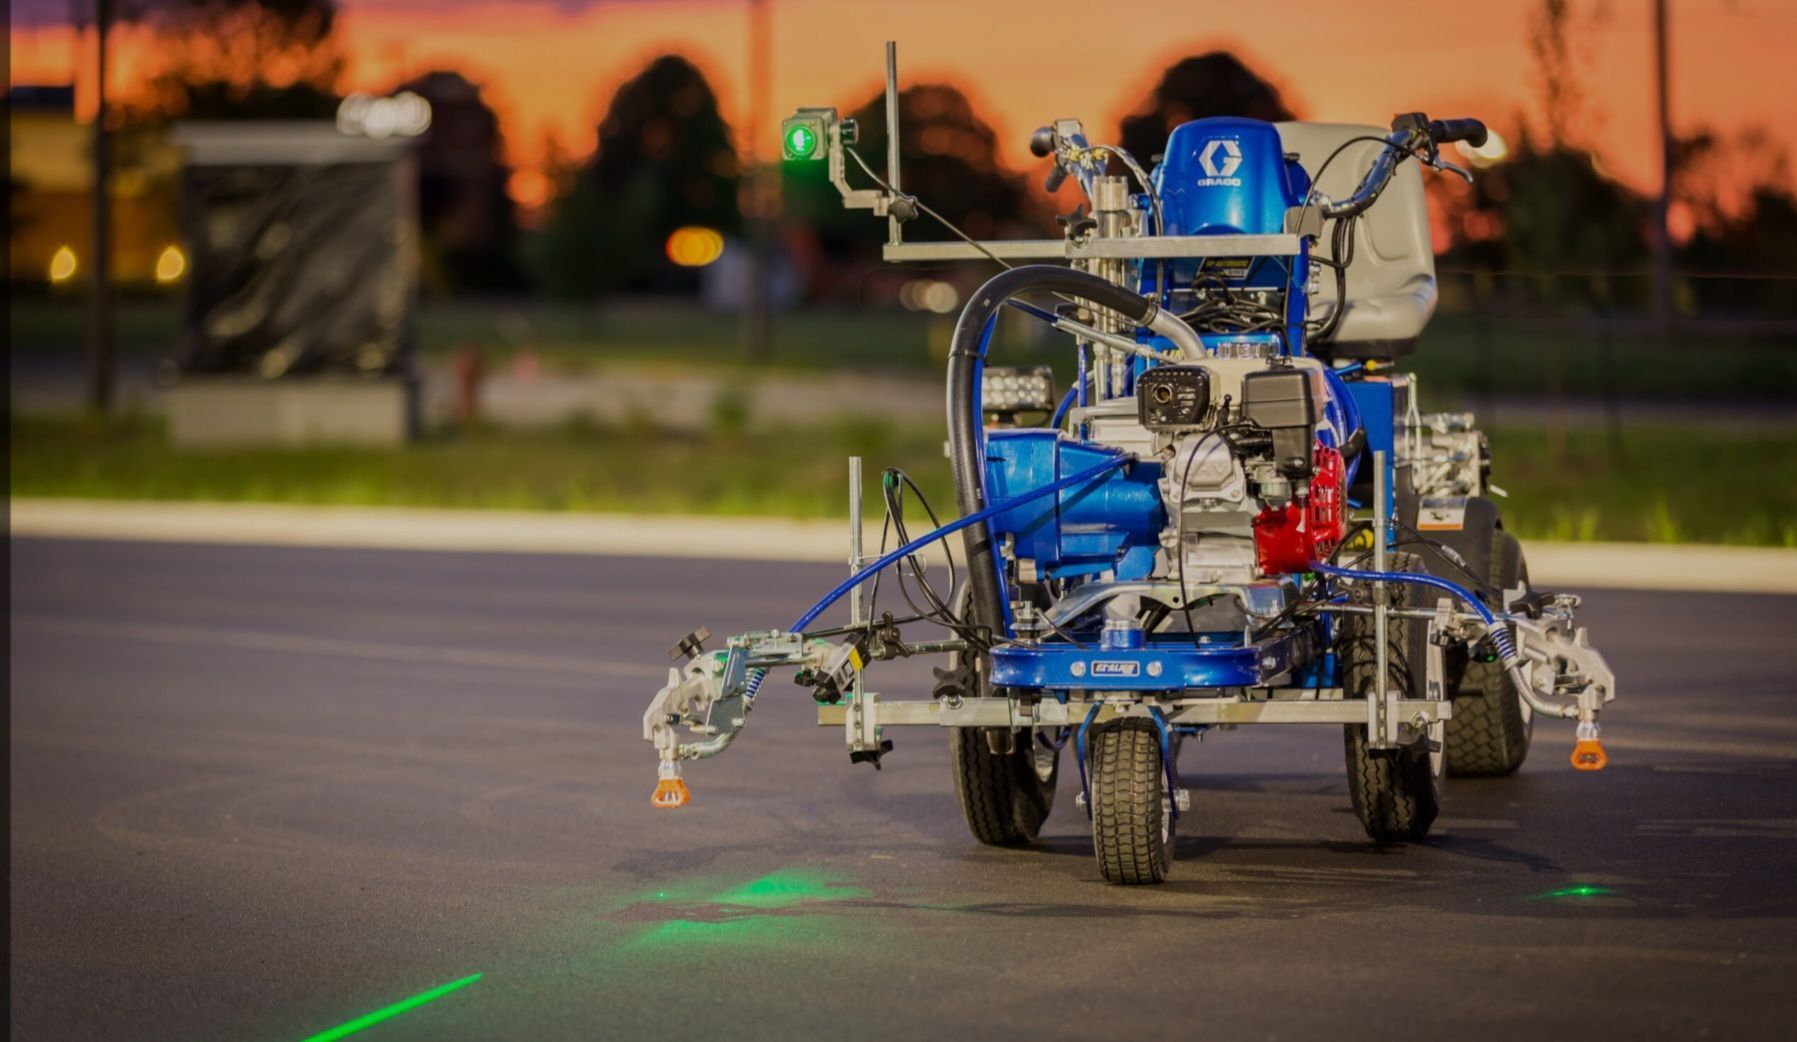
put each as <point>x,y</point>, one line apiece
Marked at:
<point>1488,735</point>
<point>1004,780</point>
<point>1005,795</point>
<point>1396,793</point>
<point>1132,823</point>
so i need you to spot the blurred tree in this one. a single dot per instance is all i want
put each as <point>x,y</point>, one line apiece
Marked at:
<point>1561,98</point>
<point>1549,208</point>
<point>240,59</point>
<point>468,219</point>
<point>1213,84</point>
<point>1741,217</point>
<point>948,159</point>
<point>664,160</point>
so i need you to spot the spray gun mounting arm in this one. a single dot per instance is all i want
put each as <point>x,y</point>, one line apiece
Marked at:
<point>805,129</point>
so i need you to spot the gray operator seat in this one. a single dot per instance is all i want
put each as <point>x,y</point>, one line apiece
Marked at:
<point>1391,282</point>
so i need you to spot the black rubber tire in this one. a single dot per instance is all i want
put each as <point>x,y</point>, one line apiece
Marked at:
<point>1003,796</point>
<point>1132,830</point>
<point>1394,791</point>
<point>1488,735</point>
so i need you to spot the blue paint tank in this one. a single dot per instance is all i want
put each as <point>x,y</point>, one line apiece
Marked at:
<point>1082,530</point>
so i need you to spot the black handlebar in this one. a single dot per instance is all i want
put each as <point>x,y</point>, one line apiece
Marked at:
<point>1470,131</point>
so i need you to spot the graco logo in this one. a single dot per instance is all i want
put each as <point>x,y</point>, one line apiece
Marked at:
<point>1116,669</point>
<point>1220,166</point>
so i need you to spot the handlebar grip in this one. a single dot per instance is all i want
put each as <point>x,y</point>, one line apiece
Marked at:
<point>1052,183</point>
<point>1471,131</point>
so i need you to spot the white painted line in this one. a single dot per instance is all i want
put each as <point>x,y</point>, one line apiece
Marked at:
<point>390,528</point>
<point>1568,566</point>
<point>1660,566</point>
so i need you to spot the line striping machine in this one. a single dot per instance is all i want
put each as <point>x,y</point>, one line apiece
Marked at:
<point>1236,515</point>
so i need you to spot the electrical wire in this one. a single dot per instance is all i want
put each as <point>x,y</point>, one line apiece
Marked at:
<point>950,225</point>
<point>1179,532</point>
<point>893,481</point>
<point>945,222</point>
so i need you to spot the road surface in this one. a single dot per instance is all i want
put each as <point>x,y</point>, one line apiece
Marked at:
<point>266,793</point>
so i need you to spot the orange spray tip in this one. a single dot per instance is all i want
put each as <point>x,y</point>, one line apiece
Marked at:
<point>670,793</point>
<point>1588,755</point>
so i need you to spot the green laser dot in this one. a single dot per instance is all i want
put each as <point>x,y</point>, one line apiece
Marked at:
<point>389,1012</point>
<point>1581,890</point>
<point>800,141</point>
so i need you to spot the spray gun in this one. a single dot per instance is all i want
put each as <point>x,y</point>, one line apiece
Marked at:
<point>1551,645</point>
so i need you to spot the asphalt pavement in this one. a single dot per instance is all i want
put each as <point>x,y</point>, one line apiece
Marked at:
<point>272,794</point>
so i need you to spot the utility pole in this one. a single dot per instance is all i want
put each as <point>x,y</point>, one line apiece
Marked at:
<point>99,344</point>
<point>760,192</point>
<point>1662,236</point>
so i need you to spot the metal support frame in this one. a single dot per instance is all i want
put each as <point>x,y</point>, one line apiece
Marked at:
<point>861,729</point>
<point>1150,247</point>
<point>893,226</point>
<point>1377,716</point>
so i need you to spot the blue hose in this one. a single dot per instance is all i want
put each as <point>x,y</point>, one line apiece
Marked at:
<point>1417,578</point>
<point>949,529</point>
<point>1500,636</point>
<point>1060,412</point>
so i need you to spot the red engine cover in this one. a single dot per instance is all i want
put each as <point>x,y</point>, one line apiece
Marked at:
<point>1290,538</point>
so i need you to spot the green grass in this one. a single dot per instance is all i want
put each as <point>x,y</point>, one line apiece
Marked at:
<point>573,467</point>
<point>1711,485</point>
<point>1460,358</point>
<point>1669,485</point>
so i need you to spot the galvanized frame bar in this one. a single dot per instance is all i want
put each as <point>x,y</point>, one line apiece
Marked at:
<point>1149,247</point>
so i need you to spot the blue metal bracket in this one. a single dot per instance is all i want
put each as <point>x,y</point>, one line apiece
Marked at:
<point>1162,665</point>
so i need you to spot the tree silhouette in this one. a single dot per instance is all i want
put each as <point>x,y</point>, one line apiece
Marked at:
<point>1738,193</point>
<point>664,160</point>
<point>241,59</point>
<point>1213,84</point>
<point>468,220</point>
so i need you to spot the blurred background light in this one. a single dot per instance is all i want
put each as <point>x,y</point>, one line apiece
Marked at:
<point>403,115</point>
<point>929,295</point>
<point>695,247</point>
<point>62,264</point>
<point>171,264</point>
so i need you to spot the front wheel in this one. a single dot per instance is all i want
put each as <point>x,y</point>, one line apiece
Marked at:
<point>1132,823</point>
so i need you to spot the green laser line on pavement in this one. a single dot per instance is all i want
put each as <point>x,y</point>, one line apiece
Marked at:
<point>388,1012</point>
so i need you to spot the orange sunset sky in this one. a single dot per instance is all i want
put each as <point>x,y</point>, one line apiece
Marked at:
<point>548,66</point>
